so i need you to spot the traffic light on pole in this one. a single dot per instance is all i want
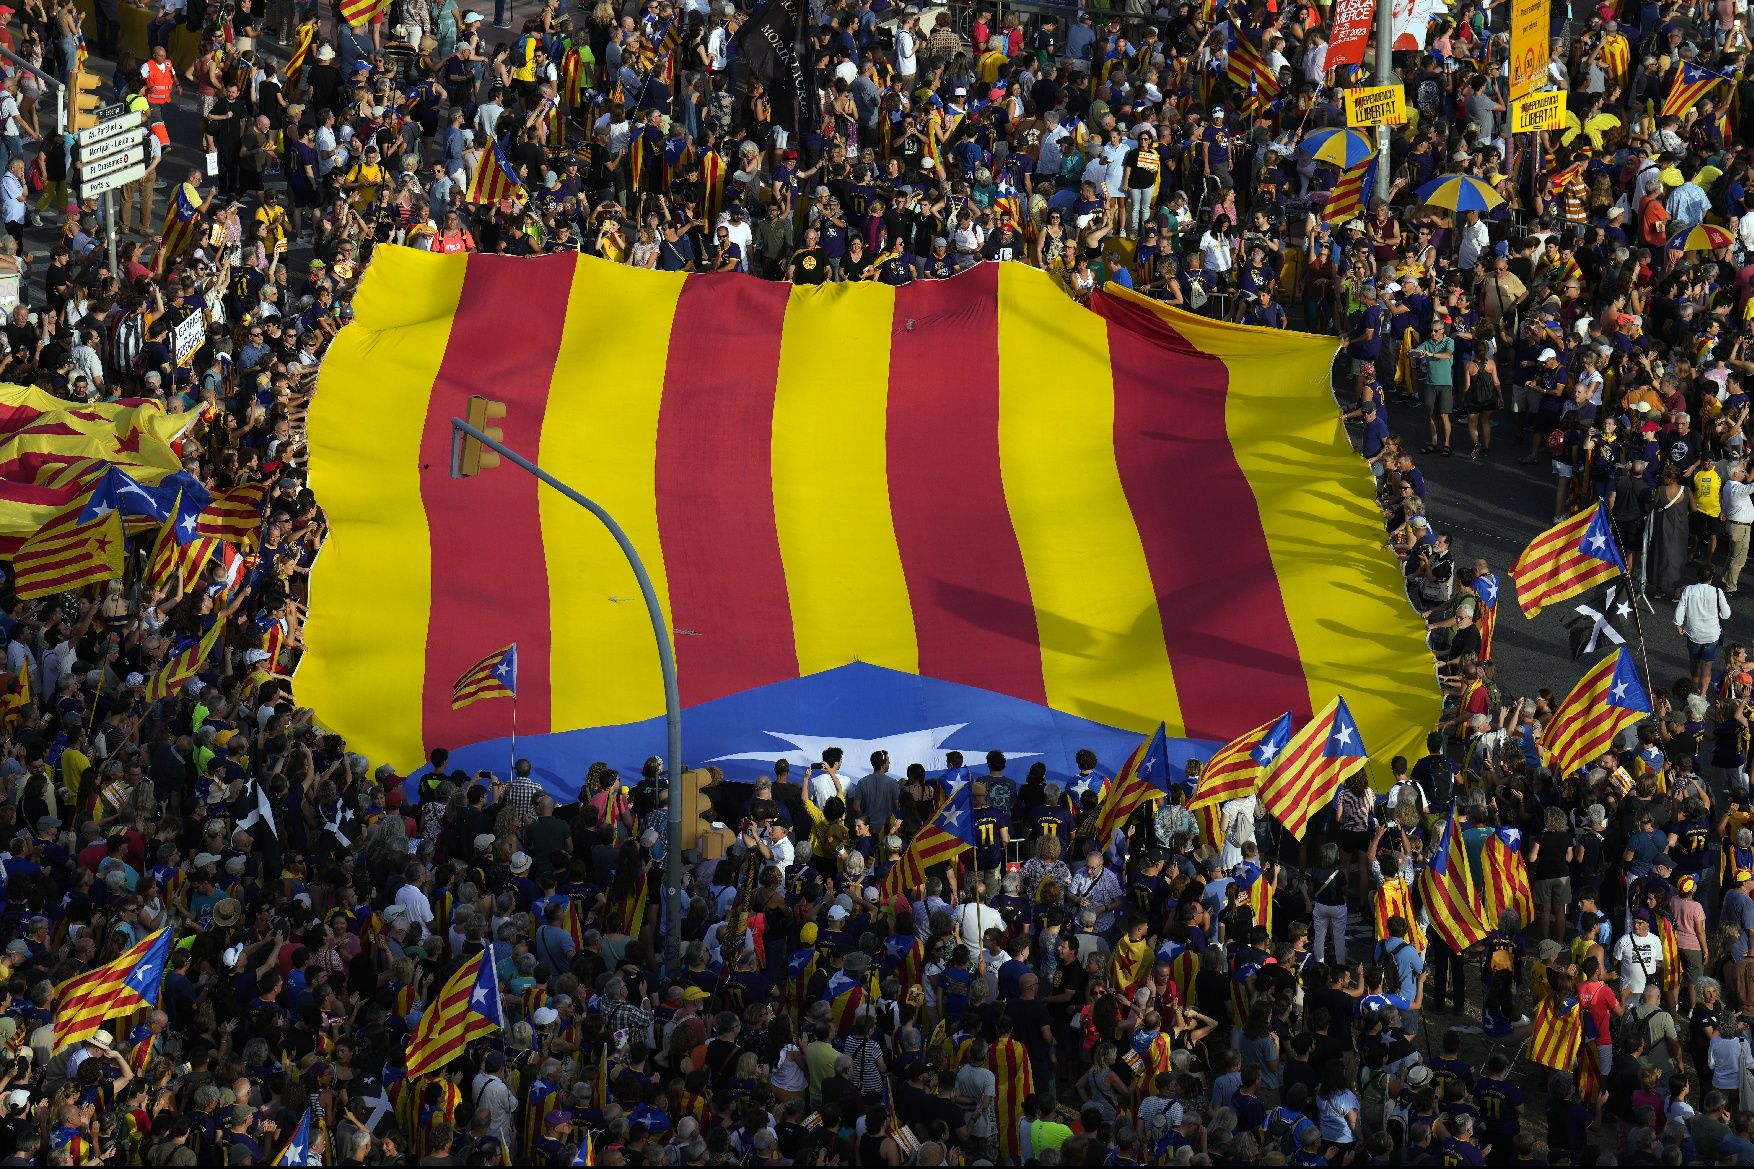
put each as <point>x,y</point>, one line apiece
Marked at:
<point>472,456</point>
<point>83,101</point>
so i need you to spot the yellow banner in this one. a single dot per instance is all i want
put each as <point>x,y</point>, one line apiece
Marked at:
<point>1376,105</point>
<point>1528,45</point>
<point>1538,111</point>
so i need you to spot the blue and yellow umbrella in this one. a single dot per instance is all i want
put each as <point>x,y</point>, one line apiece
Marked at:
<point>1344,148</point>
<point>1460,193</point>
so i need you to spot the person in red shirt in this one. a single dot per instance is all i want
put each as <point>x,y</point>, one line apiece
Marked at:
<point>1601,1006</point>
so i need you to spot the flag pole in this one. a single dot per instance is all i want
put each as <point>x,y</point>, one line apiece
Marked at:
<point>512,772</point>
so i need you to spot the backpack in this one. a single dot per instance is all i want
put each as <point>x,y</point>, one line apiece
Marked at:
<point>1285,1130</point>
<point>1391,969</point>
<point>1196,295</point>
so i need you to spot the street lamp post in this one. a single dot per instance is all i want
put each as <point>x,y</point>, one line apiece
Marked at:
<point>461,432</point>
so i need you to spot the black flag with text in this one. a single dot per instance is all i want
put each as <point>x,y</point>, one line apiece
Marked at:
<point>773,47</point>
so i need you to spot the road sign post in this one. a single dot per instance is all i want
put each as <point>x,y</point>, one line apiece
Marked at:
<point>112,154</point>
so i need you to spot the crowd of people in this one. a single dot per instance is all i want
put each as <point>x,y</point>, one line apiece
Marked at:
<point>1049,997</point>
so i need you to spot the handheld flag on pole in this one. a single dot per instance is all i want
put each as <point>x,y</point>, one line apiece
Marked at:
<point>1146,776</point>
<point>1314,763</point>
<point>1605,701</point>
<point>1567,559</point>
<point>1691,84</point>
<point>1346,200</point>
<point>118,987</point>
<point>297,1150</point>
<point>1486,611</point>
<point>183,665</point>
<point>1506,877</point>
<point>1450,896</point>
<point>1599,620</point>
<point>467,1008</point>
<point>1235,769</point>
<point>234,515</point>
<point>941,840</point>
<point>494,179</point>
<point>494,676</point>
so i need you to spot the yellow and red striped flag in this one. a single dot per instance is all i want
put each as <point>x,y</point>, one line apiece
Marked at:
<point>1617,58</point>
<point>181,220</point>
<point>1450,895</point>
<point>467,1008</point>
<point>123,984</point>
<point>1393,900</point>
<point>362,12</point>
<point>1605,701</point>
<point>1311,768</point>
<point>173,560</point>
<point>1691,83</point>
<point>1567,559</point>
<point>1506,877</point>
<point>942,839</point>
<point>1235,769</point>
<point>1557,1034</point>
<point>1244,63</point>
<point>301,53</point>
<point>234,515</point>
<point>69,556</point>
<point>1145,777</point>
<point>1259,890</point>
<point>721,380</point>
<point>1008,1060</point>
<point>494,676</point>
<point>183,665</point>
<point>15,699</point>
<point>1346,200</point>
<point>493,179</point>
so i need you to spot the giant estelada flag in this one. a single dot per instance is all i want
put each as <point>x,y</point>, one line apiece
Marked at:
<point>965,515</point>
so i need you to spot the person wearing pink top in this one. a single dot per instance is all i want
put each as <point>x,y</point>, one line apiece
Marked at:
<point>1690,929</point>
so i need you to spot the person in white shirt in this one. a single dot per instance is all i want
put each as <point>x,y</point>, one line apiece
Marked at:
<point>412,898</point>
<point>976,917</point>
<point>827,782</point>
<point>1640,955</point>
<point>489,1091</point>
<point>1476,240</point>
<point>1738,515</point>
<point>1699,618</point>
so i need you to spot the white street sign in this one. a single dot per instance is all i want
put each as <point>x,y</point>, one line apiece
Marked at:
<point>104,131</point>
<point>111,182</point>
<point>97,168</point>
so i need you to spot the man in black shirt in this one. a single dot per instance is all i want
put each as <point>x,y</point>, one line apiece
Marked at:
<point>809,264</point>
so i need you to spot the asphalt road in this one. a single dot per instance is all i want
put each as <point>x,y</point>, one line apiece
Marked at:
<point>1493,508</point>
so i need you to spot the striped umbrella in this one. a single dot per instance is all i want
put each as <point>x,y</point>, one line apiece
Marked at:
<point>1344,148</point>
<point>1703,237</point>
<point>1460,193</point>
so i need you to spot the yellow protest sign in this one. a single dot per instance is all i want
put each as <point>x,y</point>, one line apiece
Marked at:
<point>1528,45</point>
<point>1538,111</point>
<point>1376,105</point>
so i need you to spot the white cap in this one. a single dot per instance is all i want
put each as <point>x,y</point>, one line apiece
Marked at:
<point>1547,355</point>
<point>545,1016</point>
<point>837,913</point>
<point>17,1098</point>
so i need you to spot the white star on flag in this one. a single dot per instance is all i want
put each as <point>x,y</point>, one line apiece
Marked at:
<point>1597,541</point>
<point>295,1154</point>
<point>503,669</point>
<point>187,523</point>
<point>480,996</point>
<point>1619,690</point>
<point>953,816</point>
<point>1269,751</point>
<point>1343,735</point>
<point>380,1107</point>
<point>924,746</point>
